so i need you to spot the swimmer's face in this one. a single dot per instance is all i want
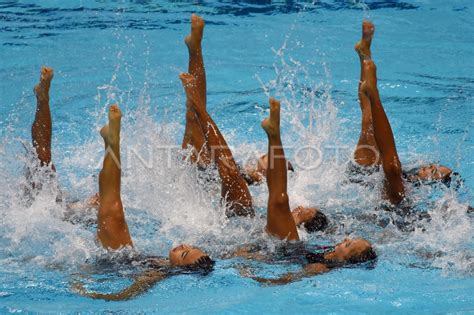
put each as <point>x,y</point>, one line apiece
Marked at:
<point>351,249</point>
<point>185,255</point>
<point>434,172</point>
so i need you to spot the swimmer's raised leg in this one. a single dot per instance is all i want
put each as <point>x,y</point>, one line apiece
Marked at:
<point>196,62</point>
<point>112,229</point>
<point>234,188</point>
<point>193,133</point>
<point>280,222</point>
<point>41,128</point>
<point>393,184</point>
<point>367,152</point>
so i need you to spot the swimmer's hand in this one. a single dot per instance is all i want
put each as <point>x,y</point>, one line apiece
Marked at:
<point>141,284</point>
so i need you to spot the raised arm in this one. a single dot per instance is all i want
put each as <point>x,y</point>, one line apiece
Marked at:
<point>141,284</point>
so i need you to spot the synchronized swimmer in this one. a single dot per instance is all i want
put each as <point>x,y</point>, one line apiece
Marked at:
<point>375,148</point>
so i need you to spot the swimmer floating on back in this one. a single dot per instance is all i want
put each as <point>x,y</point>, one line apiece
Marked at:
<point>203,135</point>
<point>112,228</point>
<point>280,221</point>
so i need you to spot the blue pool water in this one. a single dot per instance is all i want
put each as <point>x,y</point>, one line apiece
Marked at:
<point>131,52</point>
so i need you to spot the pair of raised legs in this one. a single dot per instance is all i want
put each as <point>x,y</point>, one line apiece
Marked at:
<point>376,142</point>
<point>376,136</point>
<point>202,134</point>
<point>112,228</point>
<point>208,145</point>
<point>280,221</point>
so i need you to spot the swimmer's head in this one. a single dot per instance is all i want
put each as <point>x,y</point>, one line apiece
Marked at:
<point>431,172</point>
<point>188,256</point>
<point>354,251</point>
<point>311,219</point>
<point>254,174</point>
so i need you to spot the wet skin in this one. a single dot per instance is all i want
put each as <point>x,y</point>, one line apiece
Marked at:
<point>234,190</point>
<point>367,152</point>
<point>376,142</point>
<point>256,173</point>
<point>433,172</point>
<point>302,215</point>
<point>41,129</point>
<point>348,249</point>
<point>280,222</point>
<point>112,229</point>
<point>183,255</point>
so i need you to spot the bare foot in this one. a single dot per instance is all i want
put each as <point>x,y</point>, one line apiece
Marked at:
<point>193,40</point>
<point>111,131</point>
<point>272,124</point>
<point>42,88</point>
<point>363,46</point>
<point>190,87</point>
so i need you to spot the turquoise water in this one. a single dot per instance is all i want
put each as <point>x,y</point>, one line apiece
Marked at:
<point>131,52</point>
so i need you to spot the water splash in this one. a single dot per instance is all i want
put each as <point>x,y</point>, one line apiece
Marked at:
<point>168,201</point>
<point>310,117</point>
